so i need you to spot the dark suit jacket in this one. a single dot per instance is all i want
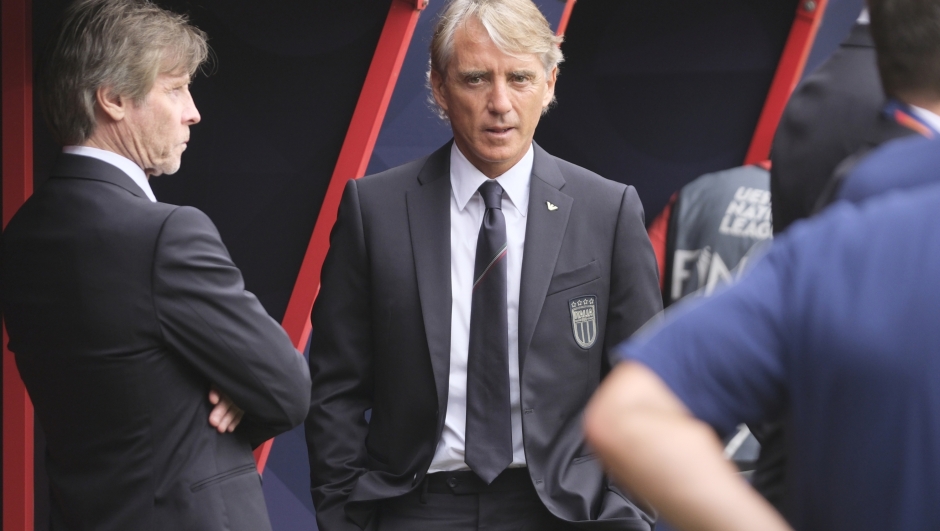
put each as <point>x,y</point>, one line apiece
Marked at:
<point>832,114</point>
<point>121,313</point>
<point>888,129</point>
<point>381,335</point>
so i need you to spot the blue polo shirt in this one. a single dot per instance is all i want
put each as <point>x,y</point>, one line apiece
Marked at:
<point>908,162</point>
<point>838,328</point>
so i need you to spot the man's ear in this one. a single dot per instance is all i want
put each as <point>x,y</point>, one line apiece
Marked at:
<point>550,87</point>
<point>111,103</point>
<point>438,88</point>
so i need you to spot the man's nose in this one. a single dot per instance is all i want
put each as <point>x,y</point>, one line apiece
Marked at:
<point>190,112</point>
<point>499,98</point>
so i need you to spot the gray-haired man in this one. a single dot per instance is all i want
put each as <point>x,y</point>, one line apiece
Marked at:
<point>470,300</point>
<point>131,326</point>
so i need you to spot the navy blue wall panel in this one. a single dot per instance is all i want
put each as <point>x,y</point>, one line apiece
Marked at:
<point>838,19</point>
<point>654,94</point>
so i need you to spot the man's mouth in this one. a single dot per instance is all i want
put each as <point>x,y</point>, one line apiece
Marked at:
<point>499,130</point>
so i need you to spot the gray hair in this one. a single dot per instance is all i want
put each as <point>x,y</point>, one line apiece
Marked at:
<point>515,27</point>
<point>122,44</point>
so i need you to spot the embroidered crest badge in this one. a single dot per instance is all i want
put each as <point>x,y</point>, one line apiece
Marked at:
<point>584,320</point>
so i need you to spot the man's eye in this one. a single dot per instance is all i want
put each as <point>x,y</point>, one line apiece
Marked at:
<point>473,80</point>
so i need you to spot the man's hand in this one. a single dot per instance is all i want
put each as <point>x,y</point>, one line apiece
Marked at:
<point>225,416</point>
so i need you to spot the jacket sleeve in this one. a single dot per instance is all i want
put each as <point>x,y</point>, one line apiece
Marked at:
<point>635,299</point>
<point>206,316</point>
<point>341,367</point>
<point>634,280</point>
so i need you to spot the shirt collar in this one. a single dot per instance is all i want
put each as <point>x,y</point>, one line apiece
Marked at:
<point>932,119</point>
<point>122,163</point>
<point>465,179</point>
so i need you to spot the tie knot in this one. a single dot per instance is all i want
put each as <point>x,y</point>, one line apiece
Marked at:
<point>492,194</point>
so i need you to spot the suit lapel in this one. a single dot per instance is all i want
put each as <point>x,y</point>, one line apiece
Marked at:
<point>545,230</point>
<point>429,221</point>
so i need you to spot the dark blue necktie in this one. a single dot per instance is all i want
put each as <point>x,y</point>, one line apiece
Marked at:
<point>489,428</point>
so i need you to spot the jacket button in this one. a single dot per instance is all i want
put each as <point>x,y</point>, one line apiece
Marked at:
<point>452,481</point>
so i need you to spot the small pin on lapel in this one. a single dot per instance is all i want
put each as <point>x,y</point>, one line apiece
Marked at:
<point>551,207</point>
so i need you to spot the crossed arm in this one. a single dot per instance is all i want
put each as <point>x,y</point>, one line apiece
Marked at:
<point>208,318</point>
<point>655,448</point>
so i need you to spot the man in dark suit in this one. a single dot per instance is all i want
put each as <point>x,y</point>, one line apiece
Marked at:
<point>833,112</point>
<point>470,300</point>
<point>840,112</point>
<point>908,47</point>
<point>131,326</point>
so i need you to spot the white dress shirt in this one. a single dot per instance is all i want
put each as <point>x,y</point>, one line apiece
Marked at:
<point>122,163</point>
<point>932,119</point>
<point>863,17</point>
<point>466,216</point>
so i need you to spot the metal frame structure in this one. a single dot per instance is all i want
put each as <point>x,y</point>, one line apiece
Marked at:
<point>17,153</point>
<point>565,17</point>
<point>809,15</point>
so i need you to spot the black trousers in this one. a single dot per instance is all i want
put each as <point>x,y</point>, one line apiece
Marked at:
<point>459,501</point>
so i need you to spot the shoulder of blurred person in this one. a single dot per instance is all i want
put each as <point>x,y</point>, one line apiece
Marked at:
<point>900,164</point>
